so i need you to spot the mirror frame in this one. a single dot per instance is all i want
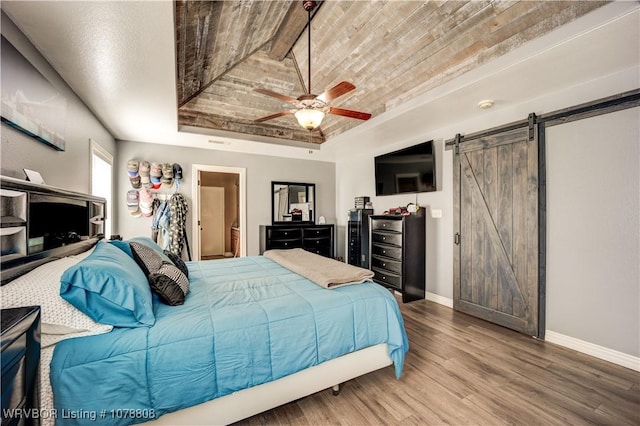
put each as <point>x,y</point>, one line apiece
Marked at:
<point>310,188</point>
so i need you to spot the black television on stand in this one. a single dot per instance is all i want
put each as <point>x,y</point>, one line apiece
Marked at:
<point>408,170</point>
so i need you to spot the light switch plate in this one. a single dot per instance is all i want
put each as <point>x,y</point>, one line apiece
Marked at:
<point>436,213</point>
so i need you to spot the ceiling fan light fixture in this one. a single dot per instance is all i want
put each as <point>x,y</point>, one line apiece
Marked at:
<point>309,118</point>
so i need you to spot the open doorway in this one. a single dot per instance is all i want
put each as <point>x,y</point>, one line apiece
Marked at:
<point>219,195</point>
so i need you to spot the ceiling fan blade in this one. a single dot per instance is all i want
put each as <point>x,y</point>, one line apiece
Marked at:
<point>336,91</point>
<point>349,113</point>
<point>276,95</point>
<point>272,116</point>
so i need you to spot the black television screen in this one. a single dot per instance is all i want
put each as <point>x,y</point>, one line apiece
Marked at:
<point>409,170</point>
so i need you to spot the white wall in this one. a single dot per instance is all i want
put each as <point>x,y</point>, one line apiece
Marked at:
<point>261,170</point>
<point>68,169</point>
<point>593,230</point>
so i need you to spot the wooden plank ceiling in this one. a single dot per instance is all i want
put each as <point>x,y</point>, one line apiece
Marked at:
<point>392,51</point>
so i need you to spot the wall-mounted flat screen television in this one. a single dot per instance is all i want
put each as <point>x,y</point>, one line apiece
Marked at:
<point>408,170</point>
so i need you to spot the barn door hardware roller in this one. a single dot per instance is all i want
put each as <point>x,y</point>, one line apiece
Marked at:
<point>533,120</point>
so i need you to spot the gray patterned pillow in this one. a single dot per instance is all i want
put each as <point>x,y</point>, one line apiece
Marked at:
<point>170,284</point>
<point>178,262</point>
<point>147,258</point>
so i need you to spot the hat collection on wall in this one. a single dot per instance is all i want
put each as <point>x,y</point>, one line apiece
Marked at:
<point>146,179</point>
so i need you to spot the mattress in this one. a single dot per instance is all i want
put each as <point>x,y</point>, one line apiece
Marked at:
<point>246,321</point>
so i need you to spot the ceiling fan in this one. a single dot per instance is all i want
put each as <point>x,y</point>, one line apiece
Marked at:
<point>310,109</point>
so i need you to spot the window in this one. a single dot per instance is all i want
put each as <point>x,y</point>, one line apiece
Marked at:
<point>102,180</point>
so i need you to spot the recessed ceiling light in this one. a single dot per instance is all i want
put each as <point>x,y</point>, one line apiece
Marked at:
<point>486,104</point>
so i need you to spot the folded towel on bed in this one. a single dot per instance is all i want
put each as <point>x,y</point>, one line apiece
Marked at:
<point>324,271</point>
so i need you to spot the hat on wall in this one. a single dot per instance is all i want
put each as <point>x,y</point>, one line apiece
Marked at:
<point>145,168</point>
<point>155,175</point>
<point>133,199</point>
<point>132,168</point>
<point>177,172</point>
<point>146,202</point>
<point>145,174</point>
<point>167,175</point>
<point>135,181</point>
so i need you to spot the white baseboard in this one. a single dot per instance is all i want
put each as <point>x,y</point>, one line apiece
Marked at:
<point>606,354</point>
<point>615,357</point>
<point>439,299</point>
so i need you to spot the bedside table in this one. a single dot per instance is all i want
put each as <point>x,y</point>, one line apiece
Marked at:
<point>20,347</point>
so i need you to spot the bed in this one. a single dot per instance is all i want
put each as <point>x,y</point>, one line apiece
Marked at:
<point>249,334</point>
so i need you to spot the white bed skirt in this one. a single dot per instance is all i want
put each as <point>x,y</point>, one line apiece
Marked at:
<point>248,402</point>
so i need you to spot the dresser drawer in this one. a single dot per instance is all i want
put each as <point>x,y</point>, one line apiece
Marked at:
<point>322,250</point>
<point>387,238</point>
<point>324,232</point>
<point>311,243</point>
<point>285,233</point>
<point>284,244</point>
<point>387,278</point>
<point>314,238</point>
<point>386,224</point>
<point>387,251</point>
<point>387,264</point>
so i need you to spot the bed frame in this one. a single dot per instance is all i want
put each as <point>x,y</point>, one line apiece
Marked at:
<point>248,402</point>
<point>224,410</point>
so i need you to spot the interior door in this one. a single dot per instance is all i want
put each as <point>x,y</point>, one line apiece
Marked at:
<point>496,256</point>
<point>212,221</point>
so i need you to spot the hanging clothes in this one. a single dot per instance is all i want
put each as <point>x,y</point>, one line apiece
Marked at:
<point>178,224</point>
<point>160,227</point>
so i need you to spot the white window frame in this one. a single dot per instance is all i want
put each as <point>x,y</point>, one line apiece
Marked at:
<point>98,151</point>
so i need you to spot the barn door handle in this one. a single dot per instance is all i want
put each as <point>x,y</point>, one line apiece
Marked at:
<point>456,238</point>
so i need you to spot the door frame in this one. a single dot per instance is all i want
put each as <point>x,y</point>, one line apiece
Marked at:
<point>196,169</point>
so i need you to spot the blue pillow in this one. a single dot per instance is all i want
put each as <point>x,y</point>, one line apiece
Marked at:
<point>122,245</point>
<point>110,288</point>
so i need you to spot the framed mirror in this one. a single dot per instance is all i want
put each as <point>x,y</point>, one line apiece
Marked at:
<point>292,203</point>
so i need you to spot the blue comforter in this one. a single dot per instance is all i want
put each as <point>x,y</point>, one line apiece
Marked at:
<point>246,321</point>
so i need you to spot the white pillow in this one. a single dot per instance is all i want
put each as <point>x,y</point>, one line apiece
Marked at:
<point>41,287</point>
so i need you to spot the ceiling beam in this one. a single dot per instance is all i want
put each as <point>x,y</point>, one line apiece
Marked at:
<point>247,127</point>
<point>290,29</point>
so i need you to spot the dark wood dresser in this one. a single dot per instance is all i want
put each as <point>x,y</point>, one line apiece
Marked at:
<point>397,252</point>
<point>317,239</point>
<point>20,342</point>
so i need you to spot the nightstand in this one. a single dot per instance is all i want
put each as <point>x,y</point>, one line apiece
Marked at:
<point>20,347</point>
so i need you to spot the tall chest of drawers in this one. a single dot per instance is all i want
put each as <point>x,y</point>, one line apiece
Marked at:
<point>317,239</point>
<point>358,237</point>
<point>397,253</point>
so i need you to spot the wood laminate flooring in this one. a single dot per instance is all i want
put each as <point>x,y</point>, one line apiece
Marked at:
<point>462,370</point>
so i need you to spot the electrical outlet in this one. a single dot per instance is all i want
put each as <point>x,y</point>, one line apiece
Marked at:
<point>436,213</point>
